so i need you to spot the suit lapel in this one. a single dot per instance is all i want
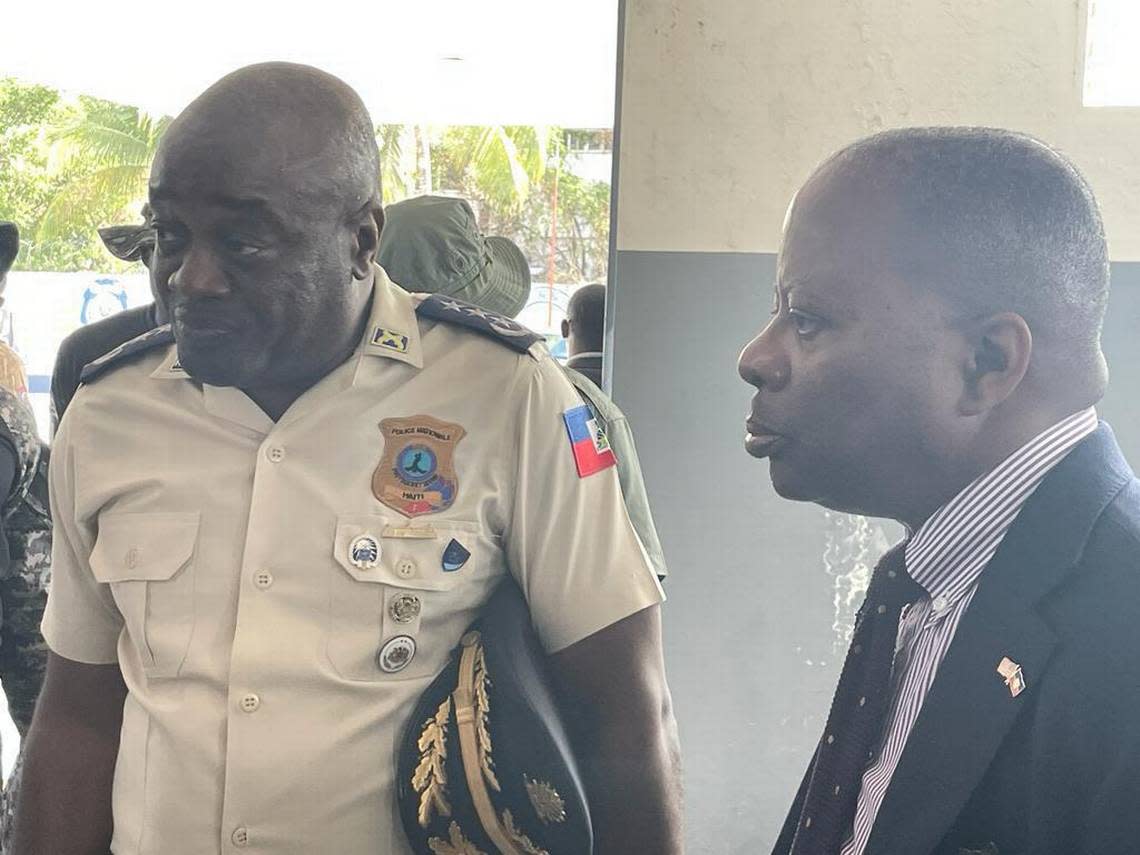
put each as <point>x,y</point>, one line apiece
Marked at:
<point>969,709</point>
<point>963,721</point>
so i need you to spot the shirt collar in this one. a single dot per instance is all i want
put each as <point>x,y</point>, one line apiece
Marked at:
<point>169,369</point>
<point>951,549</point>
<point>585,355</point>
<point>392,332</point>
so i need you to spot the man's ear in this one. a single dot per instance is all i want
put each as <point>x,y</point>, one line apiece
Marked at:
<point>999,349</point>
<point>565,328</point>
<point>366,243</point>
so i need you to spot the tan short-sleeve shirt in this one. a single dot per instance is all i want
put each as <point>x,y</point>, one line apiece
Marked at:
<point>278,594</point>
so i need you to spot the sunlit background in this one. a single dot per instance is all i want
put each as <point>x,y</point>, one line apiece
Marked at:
<point>1112,57</point>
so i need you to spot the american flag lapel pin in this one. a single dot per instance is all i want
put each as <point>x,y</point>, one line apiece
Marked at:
<point>1010,671</point>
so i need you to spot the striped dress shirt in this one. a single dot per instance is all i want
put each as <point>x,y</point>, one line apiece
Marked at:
<point>946,557</point>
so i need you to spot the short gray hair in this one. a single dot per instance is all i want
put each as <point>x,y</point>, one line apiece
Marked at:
<point>995,220</point>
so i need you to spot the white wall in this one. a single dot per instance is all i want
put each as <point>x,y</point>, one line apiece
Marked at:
<point>728,104</point>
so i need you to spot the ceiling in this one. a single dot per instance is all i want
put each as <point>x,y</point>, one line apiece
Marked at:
<point>428,61</point>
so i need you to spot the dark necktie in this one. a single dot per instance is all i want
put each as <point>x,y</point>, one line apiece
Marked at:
<point>854,725</point>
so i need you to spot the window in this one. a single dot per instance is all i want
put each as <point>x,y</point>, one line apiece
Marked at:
<point>1112,63</point>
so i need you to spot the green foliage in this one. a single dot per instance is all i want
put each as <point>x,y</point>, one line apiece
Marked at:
<point>68,166</point>
<point>394,172</point>
<point>502,163</point>
<point>109,148</point>
<point>513,176</point>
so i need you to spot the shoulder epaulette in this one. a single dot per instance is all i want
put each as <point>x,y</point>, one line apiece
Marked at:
<point>157,337</point>
<point>499,327</point>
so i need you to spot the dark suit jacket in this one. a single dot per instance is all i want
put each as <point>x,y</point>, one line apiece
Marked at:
<point>588,366</point>
<point>1055,771</point>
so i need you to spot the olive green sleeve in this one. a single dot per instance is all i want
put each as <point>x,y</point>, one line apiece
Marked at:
<point>634,493</point>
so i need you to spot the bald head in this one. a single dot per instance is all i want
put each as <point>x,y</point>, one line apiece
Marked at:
<point>281,123</point>
<point>991,219</point>
<point>266,200</point>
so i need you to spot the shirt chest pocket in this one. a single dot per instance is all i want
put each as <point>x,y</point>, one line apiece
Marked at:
<point>148,560</point>
<point>398,592</point>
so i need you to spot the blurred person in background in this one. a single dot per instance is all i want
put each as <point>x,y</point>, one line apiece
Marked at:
<point>25,542</point>
<point>584,330</point>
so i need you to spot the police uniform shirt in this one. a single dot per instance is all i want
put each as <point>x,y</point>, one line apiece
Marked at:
<point>277,595</point>
<point>87,344</point>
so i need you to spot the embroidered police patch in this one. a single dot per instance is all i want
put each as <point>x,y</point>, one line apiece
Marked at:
<point>499,327</point>
<point>416,474</point>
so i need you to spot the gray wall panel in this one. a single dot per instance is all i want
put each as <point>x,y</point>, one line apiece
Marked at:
<point>1121,406</point>
<point>760,595</point>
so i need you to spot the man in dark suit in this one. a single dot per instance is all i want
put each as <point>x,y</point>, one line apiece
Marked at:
<point>934,358</point>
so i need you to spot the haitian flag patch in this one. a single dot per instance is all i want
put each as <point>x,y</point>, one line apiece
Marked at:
<point>592,452</point>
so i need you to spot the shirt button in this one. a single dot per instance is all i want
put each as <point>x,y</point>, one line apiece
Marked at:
<point>939,603</point>
<point>250,703</point>
<point>807,822</point>
<point>263,579</point>
<point>276,454</point>
<point>881,610</point>
<point>240,837</point>
<point>863,702</point>
<point>831,739</point>
<point>406,568</point>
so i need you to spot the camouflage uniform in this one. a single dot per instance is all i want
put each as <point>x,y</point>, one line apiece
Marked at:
<point>23,585</point>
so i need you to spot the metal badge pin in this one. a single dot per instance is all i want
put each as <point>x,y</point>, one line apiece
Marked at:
<point>364,552</point>
<point>405,608</point>
<point>396,654</point>
<point>1011,672</point>
<point>454,556</point>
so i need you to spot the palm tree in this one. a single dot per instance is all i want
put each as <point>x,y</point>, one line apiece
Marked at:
<point>499,165</point>
<point>506,161</point>
<point>106,151</point>
<point>395,174</point>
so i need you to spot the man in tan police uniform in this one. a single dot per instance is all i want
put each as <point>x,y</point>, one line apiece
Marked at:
<point>277,562</point>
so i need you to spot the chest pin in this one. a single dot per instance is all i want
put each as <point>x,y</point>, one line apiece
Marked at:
<point>364,552</point>
<point>1011,673</point>
<point>455,556</point>
<point>396,654</point>
<point>405,608</point>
